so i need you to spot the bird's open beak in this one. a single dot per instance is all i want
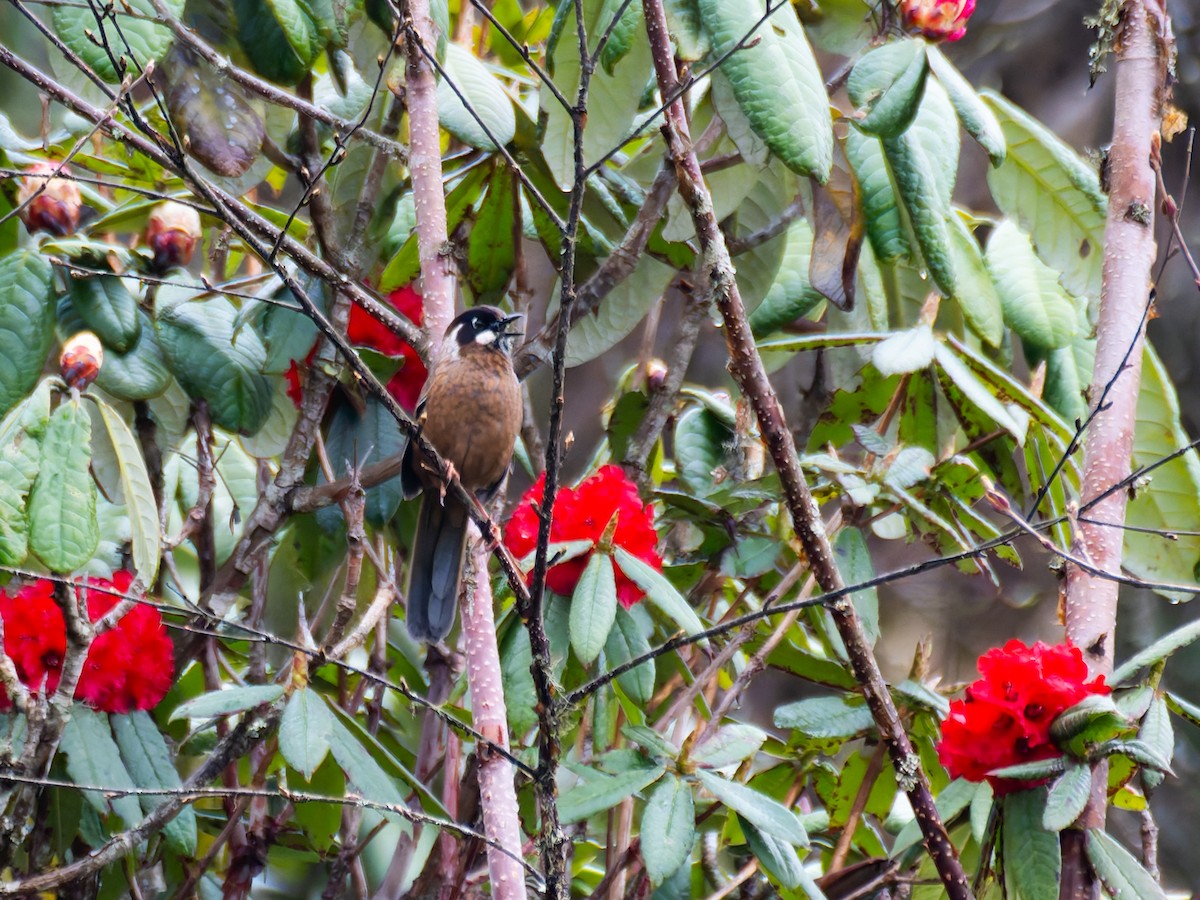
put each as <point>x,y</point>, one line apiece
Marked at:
<point>504,323</point>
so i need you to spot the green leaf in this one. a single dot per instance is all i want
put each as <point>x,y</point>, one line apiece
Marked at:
<point>217,362</point>
<point>1031,771</point>
<point>1163,648</point>
<point>20,457</point>
<point>137,493</point>
<point>484,96</point>
<point>854,560</point>
<point>729,744</point>
<point>624,31</point>
<point>368,777</point>
<point>141,372</point>
<point>914,172</point>
<point>613,97</point>
<point>976,295</point>
<point>886,86</point>
<point>94,760</point>
<point>148,760</point>
<point>777,857</point>
<point>1068,796</point>
<point>974,115</point>
<point>1035,305</point>
<point>668,828</point>
<point>227,702</point>
<point>775,79</point>
<point>825,717</point>
<point>628,641</point>
<point>593,608</point>
<point>953,799</point>
<point>279,37</point>
<point>62,504</point>
<point>107,308</point>
<point>976,391</point>
<point>660,592</point>
<point>1171,502</point>
<point>757,808</point>
<point>625,306</point>
<point>602,792</point>
<point>791,294</point>
<point>881,209</point>
<point>135,39</point>
<point>651,740</point>
<point>701,439</point>
<point>1032,860</point>
<point>26,323</point>
<point>304,731</point>
<point>1157,732</point>
<point>1093,719</point>
<point>1054,195</point>
<point>360,438</point>
<point>490,256</point>
<point>1120,873</point>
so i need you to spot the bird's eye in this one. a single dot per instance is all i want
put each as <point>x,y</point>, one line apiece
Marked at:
<point>475,322</point>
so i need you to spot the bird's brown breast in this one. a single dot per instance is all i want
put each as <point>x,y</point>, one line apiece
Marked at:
<point>473,413</point>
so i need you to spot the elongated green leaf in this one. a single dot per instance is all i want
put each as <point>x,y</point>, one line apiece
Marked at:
<point>627,641</point>
<point>825,717</point>
<point>701,439</point>
<point>136,40</point>
<point>777,857</point>
<point>227,702</point>
<point>1067,798</point>
<point>1031,771</point>
<point>368,776</point>
<point>1032,861</point>
<point>602,792</point>
<point>732,743</point>
<point>357,439</point>
<point>976,295</point>
<point>977,391</point>
<point>1035,305</point>
<point>148,759</point>
<point>765,813</point>
<point>484,96</point>
<point>952,800</point>
<point>20,456</point>
<point>668,828</point>
<point>1120,873</point>
<point>490,248</point>
<point>973,114</point>
<point>624,31</point>
<point>217,362</point>
<point>94,760</point>
<point>1055,196</point>
<point>107,308</point>
<point>886,86</point>
<point>660,592</point>
<point>1161,649</point>
<point>775,79</point>
<point>1172,499</point>
<point>905,351</point>
<point>885,228</point>
<point>593,608</point>
<point>137,493</point>
<point>26,323</point>
<point>791,295</point>
<point>62,505</point>
<point>138,374</point>
<point>279,36</point>
<point>625,306</point>
<point>304,731</point>
<point>854,559</point>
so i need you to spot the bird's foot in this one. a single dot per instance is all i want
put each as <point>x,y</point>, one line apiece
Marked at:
<point>451,475</point>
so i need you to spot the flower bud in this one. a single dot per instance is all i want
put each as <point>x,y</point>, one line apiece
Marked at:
<point>172,233</point>
<point>81,359</point>
<point>938,20</point>
<point>49,204</point>
<point>656,373</point>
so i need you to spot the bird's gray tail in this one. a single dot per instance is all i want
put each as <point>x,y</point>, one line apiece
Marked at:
<point>436,567</point>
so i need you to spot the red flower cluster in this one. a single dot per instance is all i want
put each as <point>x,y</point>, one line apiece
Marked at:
<point>1005,717</point>
<point>938,20</point>
<point>364,330</point>
<point>583,514</point>
<point>130,666</point>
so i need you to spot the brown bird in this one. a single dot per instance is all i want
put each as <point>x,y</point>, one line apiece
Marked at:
<point>470,413</point>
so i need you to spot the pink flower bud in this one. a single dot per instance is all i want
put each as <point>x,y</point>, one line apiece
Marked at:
<point>49,204</point>
<point>938,20</point>
<point>81,358</point>
<point>172,233</point>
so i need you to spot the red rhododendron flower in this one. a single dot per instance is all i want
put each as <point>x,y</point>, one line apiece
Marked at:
<point>130,666</point>
<point>583,514</point>
<point>35,636</point>
<point>364,330</point>
<point>1005,717</point>
<point>939,20</point>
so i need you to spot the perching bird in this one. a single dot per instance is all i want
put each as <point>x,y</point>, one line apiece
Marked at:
<point>470,412</point>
